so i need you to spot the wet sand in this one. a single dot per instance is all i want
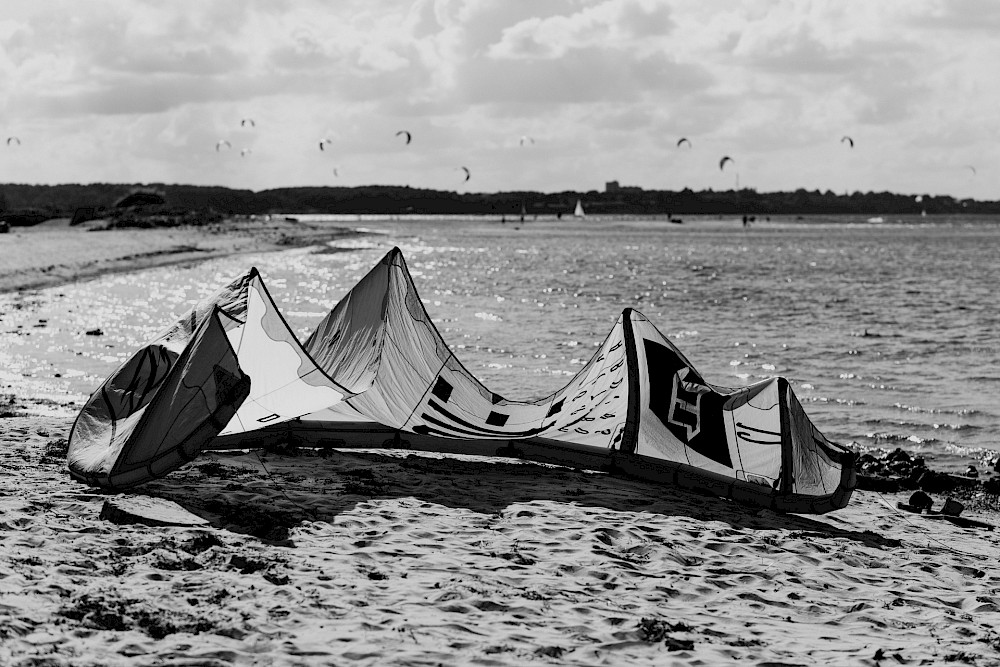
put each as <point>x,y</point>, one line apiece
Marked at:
<point>393,558</point>
<point>55,252</point>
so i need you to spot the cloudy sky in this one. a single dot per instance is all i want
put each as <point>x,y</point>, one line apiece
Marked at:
<point>543,94</point>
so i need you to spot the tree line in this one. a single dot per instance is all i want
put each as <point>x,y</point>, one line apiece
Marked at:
<point>65,200</point>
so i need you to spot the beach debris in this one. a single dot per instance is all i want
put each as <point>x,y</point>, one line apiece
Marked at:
<point>95,332</point>
<point>405,133</point>
<point>148,511</point>
<point>897,470</point>
<point>885,474</point>
<point>655,630</point>
<point>921,501</point>
<point>952,507</point>
<point>971,471</point>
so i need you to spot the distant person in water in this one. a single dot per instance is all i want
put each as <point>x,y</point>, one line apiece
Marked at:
<point>746,221</point>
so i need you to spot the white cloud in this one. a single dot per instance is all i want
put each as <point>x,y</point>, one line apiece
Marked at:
<point>142,90</point>
<point>613,24</point>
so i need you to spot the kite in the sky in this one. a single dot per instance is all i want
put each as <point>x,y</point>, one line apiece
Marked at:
<point>683,140</point>
<point>724,160</point>
<point>409,137</point>
<point>222,143</point>
<point>848,140</point>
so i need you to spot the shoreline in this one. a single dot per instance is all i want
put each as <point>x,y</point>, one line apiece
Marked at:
<point>53,252</point>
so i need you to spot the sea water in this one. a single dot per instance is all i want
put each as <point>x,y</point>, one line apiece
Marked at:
<point>887,332</point>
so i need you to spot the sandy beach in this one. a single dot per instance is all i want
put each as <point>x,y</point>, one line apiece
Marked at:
<point>56,252</point>
<point>390,557</point>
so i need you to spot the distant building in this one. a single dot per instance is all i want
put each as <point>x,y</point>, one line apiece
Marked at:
<point>614,187</point>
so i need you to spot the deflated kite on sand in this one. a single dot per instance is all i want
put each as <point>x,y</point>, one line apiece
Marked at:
<point>231,371</point>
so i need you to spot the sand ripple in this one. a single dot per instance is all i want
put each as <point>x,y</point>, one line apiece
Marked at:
<point>388,558</point>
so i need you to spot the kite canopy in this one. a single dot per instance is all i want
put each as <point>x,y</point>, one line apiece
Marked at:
<point>376,361</point>
<point>123,435</point>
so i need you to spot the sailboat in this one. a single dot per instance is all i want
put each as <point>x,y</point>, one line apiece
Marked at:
<point>579,210</point>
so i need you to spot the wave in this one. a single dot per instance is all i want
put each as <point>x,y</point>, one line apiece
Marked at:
<point>934,411</point>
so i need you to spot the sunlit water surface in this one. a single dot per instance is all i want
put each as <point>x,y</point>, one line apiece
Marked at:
<point>888,332</point>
